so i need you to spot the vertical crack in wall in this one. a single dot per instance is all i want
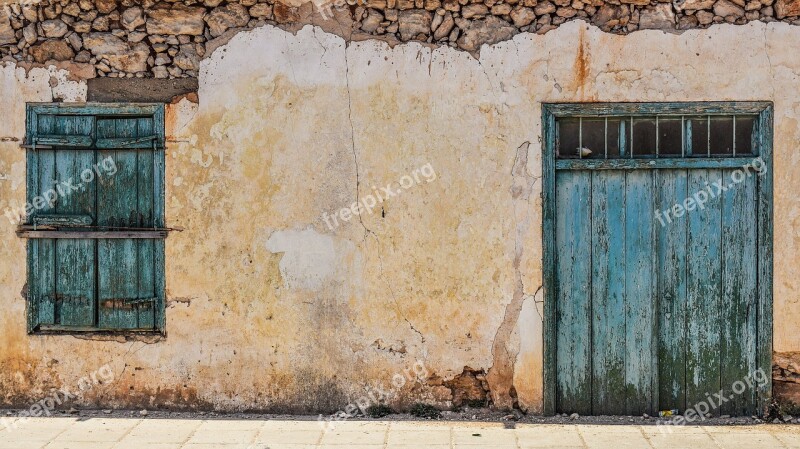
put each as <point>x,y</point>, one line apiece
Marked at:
<point>769,61</point>
<point>501,374</point>
<point>367,231</point>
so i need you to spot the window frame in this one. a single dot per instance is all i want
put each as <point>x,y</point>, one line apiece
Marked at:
<point>100,110</point>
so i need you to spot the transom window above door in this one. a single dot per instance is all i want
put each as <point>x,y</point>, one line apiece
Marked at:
<point>620,132</point>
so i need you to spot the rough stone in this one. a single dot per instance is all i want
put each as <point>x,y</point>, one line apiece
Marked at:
<point>105,6</point>
<point>29,33</point>
<point>658,17</point>
<point>231,15</point>
<point>82,27</point>
<point>83,56</point>
<point>56,50</point>
<point>29,13</point>
<point>566,12</point>
<point>261,10</point>
<point>485,31</point>
<point>468,387</point>
<point>162,59</point>
<point>474,10</point>
<point>452,5</point>
<point>609,16</point>
<point>54,28</point>
<point>687,22</point>
<point>7,35</point>
<point>413,23</point>
<point>132,18</point>
<point>75,41</point>
<point>501,9</point>
<point>120,55</point>
<point>160,72</point>
<point>187,58</point>
<point>544,8</point>
<point>372,21</point>
<point>285,13</point>
<point>522,16</point>
<point>704,17</point>
<point>174,19</point>
<point>72,9</point>
<point>101,24</point>
<point>787,8</point>
<point>444,29</point>
<point>682,5</point>
<point>405,4</point>
<point>725,8</point>
<point>433,5</point>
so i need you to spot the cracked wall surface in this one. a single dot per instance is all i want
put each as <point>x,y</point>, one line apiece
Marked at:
<point>269,308</point>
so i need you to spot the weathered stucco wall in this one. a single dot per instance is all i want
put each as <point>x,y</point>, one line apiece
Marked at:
<point>270,308</point>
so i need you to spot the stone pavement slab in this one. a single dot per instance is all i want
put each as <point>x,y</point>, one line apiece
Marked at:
<point>130,433</point>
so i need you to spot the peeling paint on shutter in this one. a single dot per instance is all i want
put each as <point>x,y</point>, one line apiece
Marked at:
<point>96,283</point>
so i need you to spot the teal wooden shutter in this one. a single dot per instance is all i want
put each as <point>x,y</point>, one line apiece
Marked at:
<point>62,275</point>
<point>126,267</point>
<point>83,275</point>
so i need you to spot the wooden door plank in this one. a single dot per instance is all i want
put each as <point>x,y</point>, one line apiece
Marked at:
<point>32,248</point>
<point>118,258</point>
<point>765,257</point>
<point>75,258</point>
<point>639,288</point>
<point>608,293</point>
<point>739,294</point>
<point>45,265</point>
<point>671,237</point>
<point>704,290</point>
<point>145,249</point>
<point>573,267</point>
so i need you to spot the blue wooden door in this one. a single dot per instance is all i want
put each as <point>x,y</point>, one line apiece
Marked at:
<point>651,312</point>
<point>658,282</point>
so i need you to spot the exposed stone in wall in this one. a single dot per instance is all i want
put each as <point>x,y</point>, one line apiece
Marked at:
<point>786,377</point>
<point>167,39</point>
<point>469,388</point>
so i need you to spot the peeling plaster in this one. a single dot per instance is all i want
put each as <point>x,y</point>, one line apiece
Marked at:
<point>272,310</point>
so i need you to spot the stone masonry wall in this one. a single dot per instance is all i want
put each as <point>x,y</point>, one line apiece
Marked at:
<point>145,38</point>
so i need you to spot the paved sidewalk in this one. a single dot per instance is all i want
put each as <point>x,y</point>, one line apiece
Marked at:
<point>121,433</point>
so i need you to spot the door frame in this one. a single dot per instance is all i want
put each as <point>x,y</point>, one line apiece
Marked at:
<point>764,110</point>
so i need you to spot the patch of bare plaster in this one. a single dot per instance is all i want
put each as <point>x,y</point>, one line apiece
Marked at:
<point>312,261</point>
<point>505,351</point>
<point>178,115</point>
<point>64,80</point>
<point>528,368</point>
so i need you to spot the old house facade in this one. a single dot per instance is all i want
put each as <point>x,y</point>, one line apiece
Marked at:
<point>288,207</point>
